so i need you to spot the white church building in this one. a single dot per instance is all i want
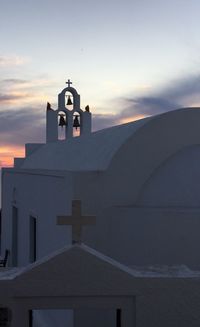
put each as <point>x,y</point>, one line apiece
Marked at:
<point>141,180</point>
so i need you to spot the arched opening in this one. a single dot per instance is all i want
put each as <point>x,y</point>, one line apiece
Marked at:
<point>76,124</point>
<point>62,124</point>
<point>69,101</point>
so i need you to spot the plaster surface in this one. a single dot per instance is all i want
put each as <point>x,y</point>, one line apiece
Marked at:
<point>176,182</point>
<point>43,196</point>
<point>93,281</point>
<point>141,181</point>
<point>91,152</point>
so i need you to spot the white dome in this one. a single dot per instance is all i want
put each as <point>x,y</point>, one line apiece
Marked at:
<point>91,152</point>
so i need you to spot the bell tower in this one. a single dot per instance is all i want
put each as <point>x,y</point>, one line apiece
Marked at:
<point>69,117</point>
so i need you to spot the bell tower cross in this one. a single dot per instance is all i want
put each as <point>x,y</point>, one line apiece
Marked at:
<point>68,83</point>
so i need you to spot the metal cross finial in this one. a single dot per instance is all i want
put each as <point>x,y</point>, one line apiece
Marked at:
<point>68,82</point>
<point>76,220</point>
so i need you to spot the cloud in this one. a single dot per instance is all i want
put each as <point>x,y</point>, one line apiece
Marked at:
<point>37,82</point>
<point>27,124</point>
<point>182,88</point>
<point>11,97</point>
<point>148,105</point>
<point>12,60</point>
<point>14,81</point>
<point>16,92</point>
<point>134,109</point>
<point>100,121</point>
<point>178,93</point>
<point>21,126</point>
<point>182,92</point>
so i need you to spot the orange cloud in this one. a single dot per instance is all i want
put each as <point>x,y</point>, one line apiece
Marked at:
<point>7,154</point>
<point>21,92</point>
<point>133,118</point>
<point>22,98</point>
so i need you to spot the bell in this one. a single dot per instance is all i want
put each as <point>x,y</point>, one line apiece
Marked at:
<point>76,122</point>
<point>62,121</point>
<point>69,101</point>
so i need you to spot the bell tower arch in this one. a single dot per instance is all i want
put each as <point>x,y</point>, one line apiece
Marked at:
<point>69,116</point>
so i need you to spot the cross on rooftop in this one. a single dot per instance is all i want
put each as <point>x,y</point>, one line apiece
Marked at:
<point>76,220</point>
<point>68,82</point>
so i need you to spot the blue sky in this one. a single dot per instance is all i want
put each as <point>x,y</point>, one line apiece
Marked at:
<point>127,59</point>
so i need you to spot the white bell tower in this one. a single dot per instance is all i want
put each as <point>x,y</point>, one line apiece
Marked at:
<point>69,116</point>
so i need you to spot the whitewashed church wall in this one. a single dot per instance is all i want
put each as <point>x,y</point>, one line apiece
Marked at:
<point>7,203</point>
<point>176,182</point>
<point>43,197</point>
<point>169,302</point>
<point>139,157</point>
<point>147,236</point>
<point>145,151</point>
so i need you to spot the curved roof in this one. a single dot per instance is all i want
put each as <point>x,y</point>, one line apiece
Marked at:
<point>85,153</point>
<point>177,174</point>
<point>102,149</point>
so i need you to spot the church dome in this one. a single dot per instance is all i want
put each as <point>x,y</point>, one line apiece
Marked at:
<point>138,147</point>
<point>85,153</point>
<point>176,182</point>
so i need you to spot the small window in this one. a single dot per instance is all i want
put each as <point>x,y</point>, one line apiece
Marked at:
<point>33,239</point>
<point>14,236</point>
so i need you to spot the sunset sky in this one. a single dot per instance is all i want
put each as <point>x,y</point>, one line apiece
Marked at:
<point>127,59</point>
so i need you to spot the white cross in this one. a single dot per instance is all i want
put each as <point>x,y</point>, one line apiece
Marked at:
<point>68,82</point>
<point>76,220</point>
